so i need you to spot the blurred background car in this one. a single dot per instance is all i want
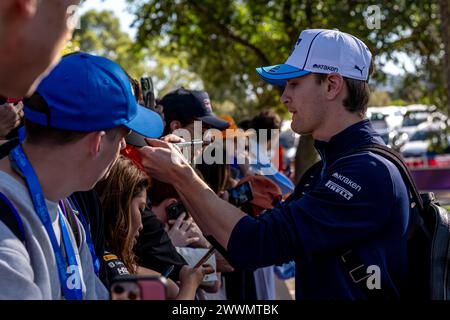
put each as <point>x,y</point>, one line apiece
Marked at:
<point>386,121</point>
<point>421,134</point>
<point>429,139</point>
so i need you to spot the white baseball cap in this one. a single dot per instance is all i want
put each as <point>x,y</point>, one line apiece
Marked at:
<point>322,51</point>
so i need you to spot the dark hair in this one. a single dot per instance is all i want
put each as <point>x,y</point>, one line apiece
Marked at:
<point>358,92</point>
<point>136,88</point>
<point>39,134</point>
<point>160,191</point>
<point>245,124</point>
<point>216,175</point>
<point>183,123</point>
<point>266,119</point>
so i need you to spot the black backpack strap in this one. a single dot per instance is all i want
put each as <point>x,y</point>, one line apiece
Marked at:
<point>10,217</point>
<point>398,161</point>
<point>8,213</point>
<point>351,261</point>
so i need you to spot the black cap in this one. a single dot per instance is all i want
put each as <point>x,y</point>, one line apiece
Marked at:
<point>183,104</point>
<point>135,139</point>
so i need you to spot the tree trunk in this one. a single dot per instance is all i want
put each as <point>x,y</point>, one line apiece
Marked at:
<point>305,157</point>
<point>444,11</point>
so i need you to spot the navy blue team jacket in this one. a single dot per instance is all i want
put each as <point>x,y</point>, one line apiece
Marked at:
<point>358,202</point>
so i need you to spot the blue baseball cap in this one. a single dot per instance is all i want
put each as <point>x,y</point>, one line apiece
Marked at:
<point>88,93</point>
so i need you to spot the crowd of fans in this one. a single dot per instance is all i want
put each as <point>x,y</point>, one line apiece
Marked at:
<point>118,219</point>
<point>94,187</point>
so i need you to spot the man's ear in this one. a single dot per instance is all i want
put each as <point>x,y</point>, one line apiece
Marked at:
<point>95,140</point>
<point>174,125</point>
<point>334,85</point>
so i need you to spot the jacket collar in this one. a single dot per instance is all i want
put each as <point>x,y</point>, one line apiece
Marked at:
<point>358,134</point>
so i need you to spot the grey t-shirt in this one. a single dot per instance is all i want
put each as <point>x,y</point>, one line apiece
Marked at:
<point>31,273</point>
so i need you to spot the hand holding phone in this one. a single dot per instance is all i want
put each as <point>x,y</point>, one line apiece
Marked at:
<point>191,278</point>
<point>207,279</point>
<point>197,257</point>
<point>241,194</point>
<point>180,232</point>
<point>175,210</point>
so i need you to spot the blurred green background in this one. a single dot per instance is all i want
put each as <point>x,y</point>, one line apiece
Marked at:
<point>216,45</point>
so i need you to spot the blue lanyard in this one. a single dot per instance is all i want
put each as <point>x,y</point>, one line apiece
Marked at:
<point>69,276</point>
<point>21,134</point>
<point>89,241</point>
<point>67,242</point>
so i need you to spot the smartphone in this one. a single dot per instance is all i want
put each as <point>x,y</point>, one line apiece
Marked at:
<point>174,210</point>
<point>205,257</point>
<point>139,287</point>
<point>148,92</point>
<point>241,194</point>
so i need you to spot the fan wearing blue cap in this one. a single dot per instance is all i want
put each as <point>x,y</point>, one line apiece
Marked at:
<point>346,223</point>
<point>75,124</point>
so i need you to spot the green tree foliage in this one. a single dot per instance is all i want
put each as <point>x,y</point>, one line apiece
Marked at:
<point>225,40</point>
<point>100,34</point>
<point>379,98</point>
<point>444,12</point>
<point>170,72</point>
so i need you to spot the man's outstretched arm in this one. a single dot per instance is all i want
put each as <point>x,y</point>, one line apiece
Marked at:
<point>214,216</point>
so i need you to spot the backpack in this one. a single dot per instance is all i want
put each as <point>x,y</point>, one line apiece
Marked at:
<point>10,217</point>
<point>428,235</point>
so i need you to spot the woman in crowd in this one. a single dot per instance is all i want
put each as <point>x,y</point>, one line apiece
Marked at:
<point>124,196</point>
